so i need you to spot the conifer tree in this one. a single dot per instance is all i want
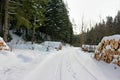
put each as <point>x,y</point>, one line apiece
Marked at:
<point>57,21</point>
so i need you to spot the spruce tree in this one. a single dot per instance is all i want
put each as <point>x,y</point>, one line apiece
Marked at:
<point>29,14</point>
<point>57,21</point>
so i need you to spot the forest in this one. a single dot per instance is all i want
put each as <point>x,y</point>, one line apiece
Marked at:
<point>107,27</point>
<point>35,20</point>
<point>41,20</point>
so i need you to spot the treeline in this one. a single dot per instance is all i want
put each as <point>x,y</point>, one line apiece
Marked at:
<point>105,28</point>
<point>35,20</point>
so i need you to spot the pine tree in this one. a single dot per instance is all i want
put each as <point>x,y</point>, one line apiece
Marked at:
<point>117,23</point>
<point>37,12</point>
<point>29,14</point>
<point>57,21</point>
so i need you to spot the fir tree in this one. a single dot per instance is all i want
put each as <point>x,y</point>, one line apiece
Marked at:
<point>57,21</point>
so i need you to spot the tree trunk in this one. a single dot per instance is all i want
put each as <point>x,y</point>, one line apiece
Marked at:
<point>26,34</point>
<point>0,23</point>
<point>6,21</point>
<point>1,17</point>
<point>34,27</point>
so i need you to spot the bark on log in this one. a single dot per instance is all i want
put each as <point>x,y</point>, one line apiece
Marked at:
<point>107,53</point>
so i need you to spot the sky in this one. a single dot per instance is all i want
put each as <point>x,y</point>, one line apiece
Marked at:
<point>90,11</point>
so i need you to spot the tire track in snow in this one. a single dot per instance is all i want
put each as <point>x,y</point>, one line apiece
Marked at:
<point>69,63</point>
<point>61,67</point>
<point>90,64</point>
<point>58,72</point>
<point>77,70</point>
<point>84,67</point>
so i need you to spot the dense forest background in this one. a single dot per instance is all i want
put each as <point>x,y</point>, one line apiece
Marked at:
<point>40,20</point>
<point>107,27</point>
<point>35,20</point>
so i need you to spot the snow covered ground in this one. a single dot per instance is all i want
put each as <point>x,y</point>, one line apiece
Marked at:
<point>33,62</point>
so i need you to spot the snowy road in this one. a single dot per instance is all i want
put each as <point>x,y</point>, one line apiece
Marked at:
<point>67,65</point>
<point>33,62</point>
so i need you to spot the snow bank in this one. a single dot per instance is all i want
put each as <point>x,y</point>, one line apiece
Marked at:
<point>53,45</point>
<point>8,58</point>
<point>18,63</point>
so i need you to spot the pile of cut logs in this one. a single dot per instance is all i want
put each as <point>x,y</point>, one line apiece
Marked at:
<point>109,51</point>
<point>1,45</point>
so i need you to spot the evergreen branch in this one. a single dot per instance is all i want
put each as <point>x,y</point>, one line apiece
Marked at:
<point>11,13</point>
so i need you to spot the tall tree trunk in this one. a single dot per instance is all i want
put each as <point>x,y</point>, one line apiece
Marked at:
<point>6,21</point>
<point>26,34</point>
<point>0,21</point>
<point>0,14</point>
<point>34,27</point>
<point>1,17</point>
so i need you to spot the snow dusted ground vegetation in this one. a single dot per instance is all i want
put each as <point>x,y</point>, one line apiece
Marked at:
<point>34,62</point>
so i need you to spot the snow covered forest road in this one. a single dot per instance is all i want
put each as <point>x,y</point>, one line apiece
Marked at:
<point>69,64</point>
<point>34,62</point>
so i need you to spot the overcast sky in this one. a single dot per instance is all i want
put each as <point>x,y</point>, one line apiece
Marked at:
<point>91,10</point>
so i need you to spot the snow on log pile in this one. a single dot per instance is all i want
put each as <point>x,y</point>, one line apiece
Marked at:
<point>109,50</point>
<point>89,48</point>
<point>3,45</point>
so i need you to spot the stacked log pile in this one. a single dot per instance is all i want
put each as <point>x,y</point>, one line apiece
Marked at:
<point>109,50</point>
<point>3,45</point>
